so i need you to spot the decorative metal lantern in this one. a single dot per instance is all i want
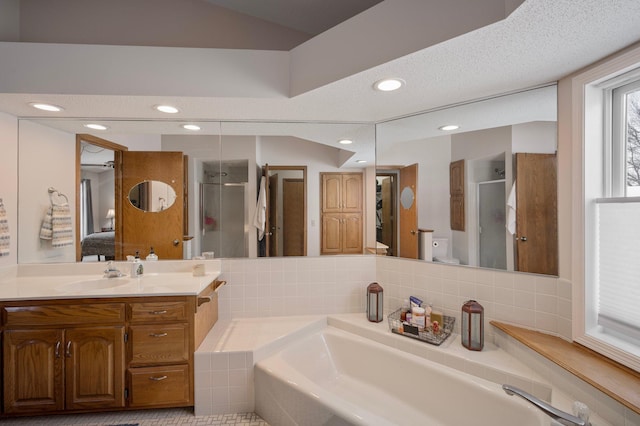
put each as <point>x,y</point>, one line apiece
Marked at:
<point>374,302</point>
<point>472,324</point>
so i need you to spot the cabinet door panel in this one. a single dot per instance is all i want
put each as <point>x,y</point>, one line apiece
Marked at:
<point>331,233</point>
<point>95,367</point>
<point>352,193</point>
<point>352,233</point>
<point>33,379</point>
<point>331,193</point>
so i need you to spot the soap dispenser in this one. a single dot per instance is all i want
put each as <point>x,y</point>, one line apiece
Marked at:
<point>136,266</point>
<point>152,255</point>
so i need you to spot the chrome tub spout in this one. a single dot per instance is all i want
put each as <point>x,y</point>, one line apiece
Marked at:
<point>558,415</point>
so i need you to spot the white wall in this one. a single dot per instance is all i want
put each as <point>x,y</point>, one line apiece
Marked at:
<point>10,20</point>
<point>47,159</point>
<point>538,136</point>
<point>9,182</point>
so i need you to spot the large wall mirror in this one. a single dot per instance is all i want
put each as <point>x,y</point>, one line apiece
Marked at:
<point>482,194</point>
<point>186,193</point>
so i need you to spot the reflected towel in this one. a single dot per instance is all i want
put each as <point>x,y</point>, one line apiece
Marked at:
<point>61,226</point>
<point>46,229</point>
<point>260,215</point>
<point>4,231</point>
<point>511,210</point>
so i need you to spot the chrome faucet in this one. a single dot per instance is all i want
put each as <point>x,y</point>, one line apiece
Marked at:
<point>558,415</point>
<point>111,271</point>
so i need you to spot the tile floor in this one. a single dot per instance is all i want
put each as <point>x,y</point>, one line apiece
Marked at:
<point>165,417</point>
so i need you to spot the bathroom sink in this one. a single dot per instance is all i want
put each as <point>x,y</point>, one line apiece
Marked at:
<point>94,284</point>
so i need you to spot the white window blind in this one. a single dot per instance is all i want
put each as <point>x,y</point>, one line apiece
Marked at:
<point>618,257</point>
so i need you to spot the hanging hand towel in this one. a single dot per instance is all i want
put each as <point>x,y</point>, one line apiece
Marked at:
<point>4,231</point>
<point>61,226</point>
<point>46,229</point>
<point>511,210</point>
<point>260,215</point>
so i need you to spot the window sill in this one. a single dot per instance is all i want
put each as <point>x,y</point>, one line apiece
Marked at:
<point>615,380</point>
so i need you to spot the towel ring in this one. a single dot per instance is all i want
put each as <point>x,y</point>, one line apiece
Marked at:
<point>52,190</point>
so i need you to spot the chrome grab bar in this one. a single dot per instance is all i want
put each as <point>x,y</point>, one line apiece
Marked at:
<point>558,415</point>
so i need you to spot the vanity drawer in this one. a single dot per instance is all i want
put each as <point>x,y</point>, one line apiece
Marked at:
<point>153,386</point>
<point>158,311</point>
<point>155,344</point>
<point>91,313</point>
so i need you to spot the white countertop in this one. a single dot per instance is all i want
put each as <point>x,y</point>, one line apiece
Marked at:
<point>78,282</point>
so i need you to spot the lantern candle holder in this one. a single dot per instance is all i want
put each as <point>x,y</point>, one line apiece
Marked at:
<point>472,325</point>
<point>374,302</point>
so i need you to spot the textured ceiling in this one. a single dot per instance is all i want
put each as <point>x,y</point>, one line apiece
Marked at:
<point>540,42</point>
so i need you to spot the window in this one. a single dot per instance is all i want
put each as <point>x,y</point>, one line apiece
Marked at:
<point>612,220</point>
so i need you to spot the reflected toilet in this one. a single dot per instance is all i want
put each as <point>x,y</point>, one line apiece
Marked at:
<point>440,247</point>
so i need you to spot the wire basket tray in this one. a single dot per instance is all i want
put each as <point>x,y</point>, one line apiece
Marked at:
<point>428,336</point>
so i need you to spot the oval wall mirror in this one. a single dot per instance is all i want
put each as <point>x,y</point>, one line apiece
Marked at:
<point>406,197</point>
<point>152,196</point>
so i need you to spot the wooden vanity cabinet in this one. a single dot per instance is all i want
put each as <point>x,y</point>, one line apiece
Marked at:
<point>63,357</point>
<point>102,353</point>
<point>160,367</point>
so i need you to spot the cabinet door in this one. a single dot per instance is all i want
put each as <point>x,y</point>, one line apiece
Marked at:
<point>352,193</point>
<point>352,233</point>
<point>33,379</point>
<point>94,364</point>
<point>331,233</point>
<point>331,193</point>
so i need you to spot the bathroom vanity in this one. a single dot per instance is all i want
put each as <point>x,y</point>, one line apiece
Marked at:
<point>127,347</point>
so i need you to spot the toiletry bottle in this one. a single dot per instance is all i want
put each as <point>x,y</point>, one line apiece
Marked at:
<point>418,317</point>
<point>152,255</point>
<point>404,310</point>
<point>136,267</point>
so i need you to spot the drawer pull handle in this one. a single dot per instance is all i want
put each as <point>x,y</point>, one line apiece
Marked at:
<point>158,312</point>
<point>158,378</point>
<point>68,350</point>
<point>158,334</point>
<point>58,343</point>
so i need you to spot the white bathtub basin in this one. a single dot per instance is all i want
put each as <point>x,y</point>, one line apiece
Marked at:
<point>337,378</point>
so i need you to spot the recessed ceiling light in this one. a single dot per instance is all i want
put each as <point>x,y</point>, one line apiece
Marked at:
<point>388,84</point>
<point>361,161</point>
<point>345,141</point>
<point>190,127</point>
<point>167,108</point>
<point>46,107</point>
<point>449,127</point>
<point>95,126</point>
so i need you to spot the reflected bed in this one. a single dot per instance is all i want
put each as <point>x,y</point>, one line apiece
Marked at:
<point>101,244</point>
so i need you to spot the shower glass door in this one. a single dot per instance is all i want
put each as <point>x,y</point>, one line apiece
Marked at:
<point>492,248</point>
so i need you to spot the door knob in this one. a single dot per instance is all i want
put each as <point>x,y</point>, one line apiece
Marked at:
<point>523,238</point>
<point>176,243</point>
<point>413,232</point>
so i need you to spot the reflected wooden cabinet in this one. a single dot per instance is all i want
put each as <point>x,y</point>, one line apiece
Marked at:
<point>342,217</point>
<point>456,194</point>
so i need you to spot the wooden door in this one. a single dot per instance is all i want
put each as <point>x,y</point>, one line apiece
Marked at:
<point>536,213</point>
<point>387,216</point>
<point>272,233</point>
<point>162,230</point>
<point>409,212</point>
<point>94,368</point>
<point>33,371</point>
<point>293,217</point>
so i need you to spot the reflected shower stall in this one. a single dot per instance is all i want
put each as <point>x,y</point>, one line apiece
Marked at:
<point>224,223</point>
